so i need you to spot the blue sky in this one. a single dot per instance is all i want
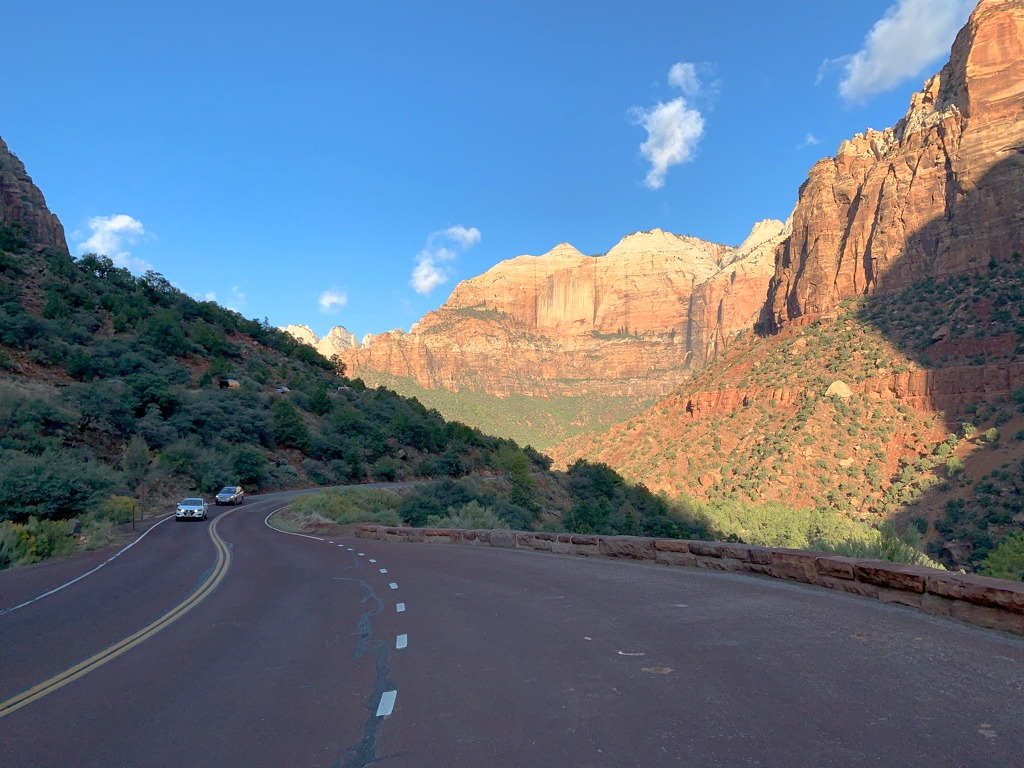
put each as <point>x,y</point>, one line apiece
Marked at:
<point>335,163</point>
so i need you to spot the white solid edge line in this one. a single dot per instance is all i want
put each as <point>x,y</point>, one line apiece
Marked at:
<point>87,573</point>
<point>401,641</point>
<point>400,607</point>
<point>387,703</point>
<point>393,585</point>
<point>266,522</point>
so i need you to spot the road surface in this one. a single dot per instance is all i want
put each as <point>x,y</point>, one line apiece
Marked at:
<point>252,647</point>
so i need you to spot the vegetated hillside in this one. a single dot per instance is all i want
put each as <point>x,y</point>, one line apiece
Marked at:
<point>118,392</point>
<point>540,422</point>
<point>883,409</point>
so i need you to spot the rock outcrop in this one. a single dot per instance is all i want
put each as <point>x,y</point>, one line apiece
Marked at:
<point>632,322</point>
<point>335,342</point>
<point>939,194</point>
<point>23,205</point>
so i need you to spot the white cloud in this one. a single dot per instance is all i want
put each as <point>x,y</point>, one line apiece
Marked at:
<point>673,128</point>
<point>467,238</point>
<point>683,75</point>
<point>110,236</point>
<point>429,272</point>
<point>332,299</point>
<point>810,140</point>
<point>426,275</point>
<point>210,296</point>
<point>910,35</point>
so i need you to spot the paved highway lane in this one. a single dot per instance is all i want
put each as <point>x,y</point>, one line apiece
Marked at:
<point>264,671</point>
<point>353,653</point>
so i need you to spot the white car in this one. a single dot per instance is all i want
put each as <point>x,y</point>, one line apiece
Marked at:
<point>191,509</point>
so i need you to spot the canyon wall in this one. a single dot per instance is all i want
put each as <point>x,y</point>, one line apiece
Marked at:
<point>22,204</point>
<point>633,322</point>
<point>939,194</point>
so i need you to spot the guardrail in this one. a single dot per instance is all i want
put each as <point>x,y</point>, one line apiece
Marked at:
<point>978,600</point>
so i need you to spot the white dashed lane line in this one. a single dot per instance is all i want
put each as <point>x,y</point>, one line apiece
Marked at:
<point>372,560</point>
<point>383,570</point>
<point>401,641</point>
<point>387,703</point>
<point>400,607</point>
<point>393,585</point>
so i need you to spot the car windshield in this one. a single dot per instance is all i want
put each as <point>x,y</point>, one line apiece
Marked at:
<point>227,489</point>
<point>192,503</point>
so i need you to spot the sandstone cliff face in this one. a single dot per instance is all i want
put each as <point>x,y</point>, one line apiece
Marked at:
<point>632,322</point>
<point>940,193</point>
<point>22,204</point>
<point>335,342</point>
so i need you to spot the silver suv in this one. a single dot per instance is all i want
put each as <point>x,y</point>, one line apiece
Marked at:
<point>230,494</point>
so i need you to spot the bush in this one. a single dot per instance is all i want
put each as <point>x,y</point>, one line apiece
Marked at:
<point>34,540</point>
<point>385,470</point>
<point>351,505</point>
<point>1006,561</point>
<point>992,435</point>
<point>469,516</point>
<point>118,509</point>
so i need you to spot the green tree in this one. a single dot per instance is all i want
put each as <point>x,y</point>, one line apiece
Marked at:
<point>249,464</point>
<point>319,402</point>
<point>290,430</point>
<point>1006,561</point>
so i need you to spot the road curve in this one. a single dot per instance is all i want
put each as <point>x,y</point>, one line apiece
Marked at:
<point>351,653</point>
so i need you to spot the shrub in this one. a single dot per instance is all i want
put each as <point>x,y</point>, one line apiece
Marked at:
<point>471,516</point>
<point>386,469</point>
<point>1006,561</point>
<point>118,509</point>
<point>992,435</point>
<point>351,505</point>
<point>954,466</point>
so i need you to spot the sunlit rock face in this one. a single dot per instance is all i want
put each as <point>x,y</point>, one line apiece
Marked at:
<point>336,341</point>
<point>22,204</point>
<point>634,321</point>
<point>940,193</point>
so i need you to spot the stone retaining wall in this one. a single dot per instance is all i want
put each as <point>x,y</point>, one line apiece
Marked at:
<point>986,602</point>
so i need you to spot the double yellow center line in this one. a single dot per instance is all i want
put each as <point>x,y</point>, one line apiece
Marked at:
<point>83,668</point>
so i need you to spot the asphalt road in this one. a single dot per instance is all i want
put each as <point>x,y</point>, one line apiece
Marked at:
<point>293,651</point>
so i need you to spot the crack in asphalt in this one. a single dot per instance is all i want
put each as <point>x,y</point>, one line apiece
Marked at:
<point>364,753</point>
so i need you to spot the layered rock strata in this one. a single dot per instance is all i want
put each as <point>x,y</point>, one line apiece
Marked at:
<point>23,205</point>
<point>633,322</point>
<point>939,194</point>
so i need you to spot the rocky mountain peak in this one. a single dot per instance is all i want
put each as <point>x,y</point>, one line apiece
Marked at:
<point>23,205</point>
<point>938,194</point>
<point>563,251</point>
<point>338,339</point>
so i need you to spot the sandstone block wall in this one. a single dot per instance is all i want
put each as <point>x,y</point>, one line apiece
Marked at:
<point>985,602</point>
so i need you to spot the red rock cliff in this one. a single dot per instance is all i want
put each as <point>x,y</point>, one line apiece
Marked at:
<point>632,322</point>
<point>22,204</point>
<point>940,193</point>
